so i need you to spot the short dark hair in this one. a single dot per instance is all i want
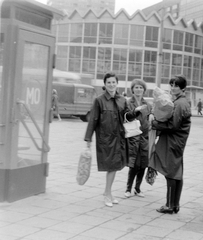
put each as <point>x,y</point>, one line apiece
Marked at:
<point>179,80</point>
<point>108,75</point>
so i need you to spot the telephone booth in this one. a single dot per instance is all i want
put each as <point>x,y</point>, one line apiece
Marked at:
<point>26,66</point>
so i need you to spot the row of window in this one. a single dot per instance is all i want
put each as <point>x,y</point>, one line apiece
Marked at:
<point>129,63</point>
<point>133,35</point>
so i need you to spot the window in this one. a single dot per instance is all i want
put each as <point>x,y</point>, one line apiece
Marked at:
<point>135,64</point>
<point>178,40</point>
<point>137,35</point>
<point>189,42</point>
<point>61,58</point>
<point>121,34</point>
<point>120,62</point>
<point>63,33</point>
<point>150,61</point>
<point>74,59</point>
<point>201,79</point>
<point>198,44</point>
<point>104,62</point>
<point>187,67</point>
<point>76,32</point>
<point>89,56</point>
<point>151,37</point>
<point>196,71</point>
<point>167,38</point>
<point>105,33</point>
<point>176,64</point>
<point>166,59</point>
<point>90,35</point>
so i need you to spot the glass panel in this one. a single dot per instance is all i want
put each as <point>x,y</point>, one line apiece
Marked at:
<point>105,33</point>
<point>137,35</point>
<point>178,40</point>
<point>76,32</point>
<point>189,42</point>
<point>90,35</point>
<point>121,34</point>
<point>151,39</point>
<point>1,84</point>
<point>63,32</point>
<point>33,94</point>
<point>167,38</point>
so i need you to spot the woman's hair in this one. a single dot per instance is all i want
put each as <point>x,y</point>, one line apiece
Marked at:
<point>138,82</point>
<point>108,75</point>
<point>179,80</point>
<point>54,91</point>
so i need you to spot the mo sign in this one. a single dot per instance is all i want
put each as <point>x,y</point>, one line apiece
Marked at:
<point>33,96</point>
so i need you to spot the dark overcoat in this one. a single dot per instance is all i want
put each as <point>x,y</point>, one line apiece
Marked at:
<point>168,158</point>
<point>138,145</point>
<point>106,119</point>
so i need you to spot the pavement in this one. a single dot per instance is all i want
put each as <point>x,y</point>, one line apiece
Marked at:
<point>69,211</point>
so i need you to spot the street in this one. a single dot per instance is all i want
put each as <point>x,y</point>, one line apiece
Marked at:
<point>69,211</point>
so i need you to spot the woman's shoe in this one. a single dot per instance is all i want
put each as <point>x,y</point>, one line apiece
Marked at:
<point>176,209</point>
<point>108,202</point>
<point>114,200</point>
<point>165,209</point>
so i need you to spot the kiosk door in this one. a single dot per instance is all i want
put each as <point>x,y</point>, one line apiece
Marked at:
<point>31,113</point>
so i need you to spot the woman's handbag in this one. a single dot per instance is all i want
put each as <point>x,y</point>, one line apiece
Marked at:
<point>151,175</point>
<point>131,128</point>
<point>84,166</point>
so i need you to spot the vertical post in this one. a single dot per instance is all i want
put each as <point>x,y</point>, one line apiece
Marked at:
<point>160,49</point>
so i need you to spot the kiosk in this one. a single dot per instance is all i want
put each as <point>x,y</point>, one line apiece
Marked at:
<point>26,66</point>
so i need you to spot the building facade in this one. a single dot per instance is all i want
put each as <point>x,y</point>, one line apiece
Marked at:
<point>82,5</point>
<point>130,46</point>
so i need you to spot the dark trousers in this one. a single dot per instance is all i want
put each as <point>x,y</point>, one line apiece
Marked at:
<point>174,189</point>
<point>131,176</point>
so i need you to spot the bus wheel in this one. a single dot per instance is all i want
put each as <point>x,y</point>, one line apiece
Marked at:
<point>85,118</point>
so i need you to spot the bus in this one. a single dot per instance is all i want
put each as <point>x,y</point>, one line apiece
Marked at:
<point>74,98</point>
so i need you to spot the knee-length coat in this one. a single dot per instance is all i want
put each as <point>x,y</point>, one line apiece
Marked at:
<point>106,119</point>
<point>138,145</point>
<point>168,158</point>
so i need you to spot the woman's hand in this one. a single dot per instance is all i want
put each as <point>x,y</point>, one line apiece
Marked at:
<point>88,144</point>
<point>140,108</point>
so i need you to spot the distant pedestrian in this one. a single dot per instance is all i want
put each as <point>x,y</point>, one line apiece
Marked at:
<point>199,107</point>
<point>55,104</point>
<point>173,135</point>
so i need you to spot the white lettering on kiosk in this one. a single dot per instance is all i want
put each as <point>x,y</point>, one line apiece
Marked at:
<point>33,96</point>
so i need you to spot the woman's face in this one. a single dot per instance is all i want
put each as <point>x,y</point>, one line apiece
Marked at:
<point>111,85</point>
<point>175,90</point>
<point>138,90</point>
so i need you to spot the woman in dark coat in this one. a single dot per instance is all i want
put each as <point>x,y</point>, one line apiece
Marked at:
<point>171,144</point>
<point>106,119</point>
<point>138,145</point>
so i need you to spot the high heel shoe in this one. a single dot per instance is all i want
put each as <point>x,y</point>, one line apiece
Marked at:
<point>108,202</point>
<point>176,209</point>
<point>165,209</point>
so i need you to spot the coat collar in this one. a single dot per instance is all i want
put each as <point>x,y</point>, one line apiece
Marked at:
<point>108,96</point>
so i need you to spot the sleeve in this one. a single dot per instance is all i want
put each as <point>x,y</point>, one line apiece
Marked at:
<point>173,123</point>
<point>93,121</point>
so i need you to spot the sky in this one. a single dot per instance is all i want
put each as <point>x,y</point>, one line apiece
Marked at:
<point>129,5</point>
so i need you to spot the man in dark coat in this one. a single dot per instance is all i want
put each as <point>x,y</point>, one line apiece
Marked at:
<point>168,159</point>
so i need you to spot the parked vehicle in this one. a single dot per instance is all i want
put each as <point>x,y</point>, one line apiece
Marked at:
<point>74,98</point>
